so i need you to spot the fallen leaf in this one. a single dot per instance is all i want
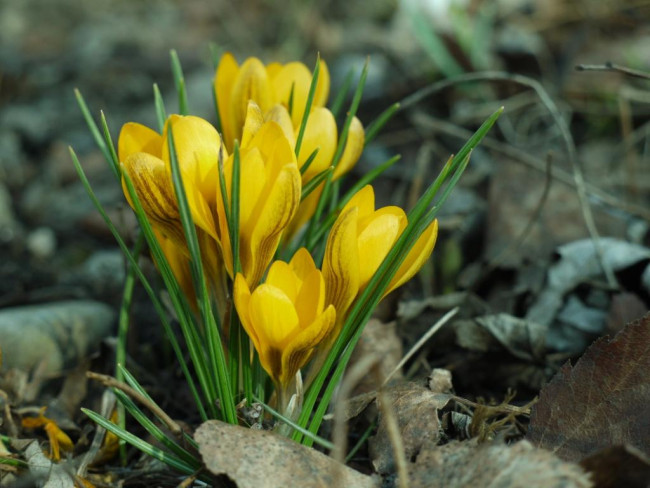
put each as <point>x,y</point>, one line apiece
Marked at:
<point>463,464</point>
<point>522,338</point>
<point>261,459</point>
<point>416,409</point>
<point>600,402</point>
<point>618,466</point>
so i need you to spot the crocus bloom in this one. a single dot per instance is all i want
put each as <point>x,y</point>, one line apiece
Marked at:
<point>267,86</point>
<point>144,155</point>
<point>359,241</point>
<point>269,196</point>
<point>286,317</point>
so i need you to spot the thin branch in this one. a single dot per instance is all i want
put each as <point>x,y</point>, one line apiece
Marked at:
<point>609,66</point>
<point>111,382</point>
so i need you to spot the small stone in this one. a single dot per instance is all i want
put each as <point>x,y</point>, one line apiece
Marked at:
<point>41,242</point>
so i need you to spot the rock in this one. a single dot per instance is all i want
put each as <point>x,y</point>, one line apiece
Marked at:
<point>52,336</point>
<point>41,242</point>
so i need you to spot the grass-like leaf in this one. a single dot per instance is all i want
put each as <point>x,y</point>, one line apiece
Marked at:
<point>94,130</point>
<point>317,440</point>
<point>338,102</point>
<point>179,82</point>
<point>217,359</point>
<point>133,262</point>
<point>315,182</point>
<point>376,125</point>
<point>308,104</point>
<point>155,452</point>
<point>161,113</point>
<point>310,160</point>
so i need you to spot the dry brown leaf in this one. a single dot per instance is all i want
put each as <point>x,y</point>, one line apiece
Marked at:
<point>600,402</point>
<point>618,466</point>
<point>462,464</point>
<point>416,409</point>
<point>260,459</point>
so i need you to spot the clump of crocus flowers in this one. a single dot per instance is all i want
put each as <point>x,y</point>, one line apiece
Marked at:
<point>271,269</point>
<point>289,310</point>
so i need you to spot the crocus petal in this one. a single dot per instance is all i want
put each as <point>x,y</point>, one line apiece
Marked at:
<point>275,320</point>
<point>299,351</point>
<point>252,83</point>
<point>305,212</point>
<point>323,86</point>
<point>155,192</point>
<point>292,77</point>
<point>302,263</point>
<point>416,257</point>
<point>177,258</point>
<point>242,298</point>
<point>377,234</point>
<point>197,145</point>
<point>135,138</point>
<point>364,200</point>
<point>320,133</point>
<point>311,298</point>
<point>341,262</point>
<point>254,121</point>
<point>353,149</point>
<point>271,219</point>
<point>223,83</point>
<point>281,276</point>
<point>280,115</point>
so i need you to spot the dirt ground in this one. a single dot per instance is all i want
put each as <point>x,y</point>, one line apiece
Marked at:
<point>544,248</point>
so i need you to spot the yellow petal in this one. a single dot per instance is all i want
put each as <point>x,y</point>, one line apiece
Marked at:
<point>198,145</point>
<point>302,263</point>
<point>223,83</point>
<point>341,262</point>
<point>416,257</point>
<point>298,352</point>
<point>242,298</point>
<point>135,138</point>
<point>292,76</point>
<point>321,134</point>
<point>177,258</point>
<point>305,212</point>
<point>274,146</point>
<point>279,115</point>
<point>270,220</point>
<point>275,321</point>
<point>323,86</point>
<point>376,238</point>
<point>252,83</point>
<point>364,199</point>
<point>353,149</point>
<point>281,276</point>
<point>311,298</point>
<point>154,188</point>
<point>253,123</point>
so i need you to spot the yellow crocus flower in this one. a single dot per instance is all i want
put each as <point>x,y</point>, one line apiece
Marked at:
<point>235,85</point>
<point>144,155</point>
<point>269,196</point>
<point>359,241</point>
<point>286,317</point>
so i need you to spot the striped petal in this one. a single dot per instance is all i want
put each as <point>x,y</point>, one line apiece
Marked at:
<point>341,262</point>
<point>252,83</point>
<point>155,192</point>
<point>299,351</point>
<point>135,138</point>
